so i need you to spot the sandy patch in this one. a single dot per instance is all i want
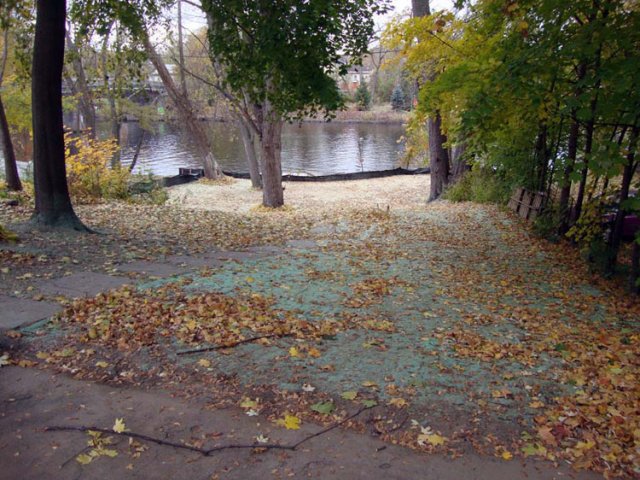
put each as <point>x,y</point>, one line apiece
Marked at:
<point>402,191</point>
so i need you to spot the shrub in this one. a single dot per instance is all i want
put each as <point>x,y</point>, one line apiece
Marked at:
<point>397,98</point>
<point>88,172</point>
<point>479,185</point>
<point>363,97</point>
<point>7,235</point>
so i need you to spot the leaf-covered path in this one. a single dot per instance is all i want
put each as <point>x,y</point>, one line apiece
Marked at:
<point>464,332</point>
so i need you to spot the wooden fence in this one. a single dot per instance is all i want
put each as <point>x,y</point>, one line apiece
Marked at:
<point>526,203</point>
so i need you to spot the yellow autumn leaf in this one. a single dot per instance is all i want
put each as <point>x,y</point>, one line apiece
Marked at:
<point>369,384</point>
<point>294,352</point>
<point>84,459</point>
<point>203,362</point>
<point>432,439</point>
<point>102,364</point>
<point>398,402</point>
<point>435,439</point>
<point>506,455</point>
<point>290,422</point>
<point>119,425</point>
<point>248,403</point>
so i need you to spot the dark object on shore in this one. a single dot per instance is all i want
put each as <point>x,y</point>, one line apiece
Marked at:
<point>187,175</point>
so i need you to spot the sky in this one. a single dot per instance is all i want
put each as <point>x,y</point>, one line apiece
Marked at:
<point>194,19</point>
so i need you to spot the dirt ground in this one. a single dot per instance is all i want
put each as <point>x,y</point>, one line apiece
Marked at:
<point>32,400</point>
<point>237,196</point>
<point>486,351</point>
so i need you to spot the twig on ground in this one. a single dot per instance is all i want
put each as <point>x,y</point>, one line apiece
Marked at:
<point>231,345</point>
<point>204,451</point>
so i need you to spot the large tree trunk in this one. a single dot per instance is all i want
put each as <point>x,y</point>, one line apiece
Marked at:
<point>250,153</point>
<point>438,158</point>
<point>190,123</point>
<point>270,142</point>
<point>81,88</point>
<point>53,204</point>
<point>10,166</point>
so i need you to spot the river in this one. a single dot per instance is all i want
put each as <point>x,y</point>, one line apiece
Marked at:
<point>311,148</point>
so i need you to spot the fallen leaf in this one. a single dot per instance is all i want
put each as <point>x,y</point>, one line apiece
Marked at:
<point>119,425</point>
<point>349,395</point>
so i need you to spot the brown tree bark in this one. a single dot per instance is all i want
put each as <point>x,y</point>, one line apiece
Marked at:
<point>109,89</point>
<point>191,125</point>
<point>10,166</point>
<point>420,8</point>
<point>248,141</point>
<point>271,146</point>
<point>53,204</point>
<point>565,192</point>
<point>438,157</point>
<point>81,87</point>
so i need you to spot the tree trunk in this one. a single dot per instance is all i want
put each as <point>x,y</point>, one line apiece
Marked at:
<point>250,152</point>
<point>81,87</point>
<point>565,192</point>
<point>438,158</point>
<point>270,142</point>
<point>10,166</point>
<point>109,90</point>
<point>458,161</point>
<point>588,146</point>
<point>420,8</point>
<point>53,204</point>
<point>634,278</point>
<point>572,152</point>
<point>615,238</point>
<point>190,123</point>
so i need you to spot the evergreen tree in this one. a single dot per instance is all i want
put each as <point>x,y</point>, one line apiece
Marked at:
<point>363,97</point>
<point>397,98</point>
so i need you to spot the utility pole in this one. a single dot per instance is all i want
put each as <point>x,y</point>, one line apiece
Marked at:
<point>183,83</point>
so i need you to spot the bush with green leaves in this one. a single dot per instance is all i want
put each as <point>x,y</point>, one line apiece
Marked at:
<point>363,97</point>
<point>480,185</point>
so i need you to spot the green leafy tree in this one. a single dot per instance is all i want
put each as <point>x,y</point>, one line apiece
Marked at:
<point>278,57</point>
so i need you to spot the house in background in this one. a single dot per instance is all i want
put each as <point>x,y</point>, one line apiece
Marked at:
<point>356,75</point>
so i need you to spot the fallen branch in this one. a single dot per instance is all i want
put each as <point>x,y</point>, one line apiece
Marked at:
<point>203,451</point>
<point>231,345</point>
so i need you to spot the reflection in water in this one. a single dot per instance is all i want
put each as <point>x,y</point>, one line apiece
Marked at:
<point>307,148</point>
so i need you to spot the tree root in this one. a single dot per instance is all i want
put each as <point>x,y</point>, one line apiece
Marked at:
<point>204,451</point>
<point>233,344</point>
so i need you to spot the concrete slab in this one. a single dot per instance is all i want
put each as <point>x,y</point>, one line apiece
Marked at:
<point>20,312</point>
<point>32,399</point>
<point>302,244</point>
<point>231,255</point>
<point>156,269</point>
<point>194,261</point>
<point>81,284</point>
